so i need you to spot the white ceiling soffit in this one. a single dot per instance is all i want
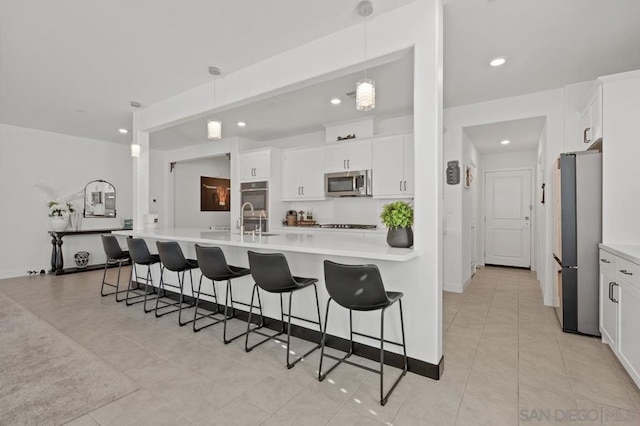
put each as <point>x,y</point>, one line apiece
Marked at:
<point>73,67</point>
<point>304,110</point>
<point>523,134</point>
<point>547,43</point>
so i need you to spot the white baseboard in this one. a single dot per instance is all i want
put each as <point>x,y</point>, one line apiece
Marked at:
<point>12,274</point>
<point>453,288</point>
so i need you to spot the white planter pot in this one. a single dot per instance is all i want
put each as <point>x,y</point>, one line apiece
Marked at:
<point>58,223</point>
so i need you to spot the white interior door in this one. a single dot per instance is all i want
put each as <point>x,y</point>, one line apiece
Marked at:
<point>508,218</point>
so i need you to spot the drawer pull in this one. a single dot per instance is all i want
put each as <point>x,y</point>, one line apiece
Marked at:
<point>604,260</point>
<point>624,271</point>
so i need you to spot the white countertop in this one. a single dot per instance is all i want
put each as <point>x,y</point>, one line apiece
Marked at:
<point>630,252</point>
<point>332,244</point>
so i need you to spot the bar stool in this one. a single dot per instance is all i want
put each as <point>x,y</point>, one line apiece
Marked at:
<point>172,259</point>
<point>271,274</point>
<point>115,254</point>
<point>140,255</point>
<point>360,288</point>
<point>213,266</point>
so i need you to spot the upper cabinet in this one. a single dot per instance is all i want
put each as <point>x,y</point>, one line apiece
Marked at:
<point>303,174</point>
<point>254,165</point>
<point>393,167</point>
<point>346,156</point>
<point>592,117</point>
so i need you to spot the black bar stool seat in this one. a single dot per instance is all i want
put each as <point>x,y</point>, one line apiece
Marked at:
<point>213,266</point>
<point>172,259</point>
<point>141,256</point>
<point>114,254</point>
<point>360,288</point>
<point>271,274</point>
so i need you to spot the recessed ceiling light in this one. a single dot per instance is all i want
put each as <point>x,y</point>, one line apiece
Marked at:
<point>335,101</point>
<point>497,62</point>
<point>241,124</point>
<point>123,131</point>
<point>505,142</point>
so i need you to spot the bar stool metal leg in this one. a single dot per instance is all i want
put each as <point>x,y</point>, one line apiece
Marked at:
<point>383,397</point>
<point>148,279</point>
<point>210,315</point>
<point>161,289</point>
<point>134,272</point>
<point>286,325</point>
<point>116,285</point>
<point>228,300</point>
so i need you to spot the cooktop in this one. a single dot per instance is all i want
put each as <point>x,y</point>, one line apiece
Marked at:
<point>347,226</point>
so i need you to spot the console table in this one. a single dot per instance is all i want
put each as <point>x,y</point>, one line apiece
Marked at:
<point>57,261</point>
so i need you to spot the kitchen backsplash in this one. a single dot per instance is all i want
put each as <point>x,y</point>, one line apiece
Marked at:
<point>361,210</point>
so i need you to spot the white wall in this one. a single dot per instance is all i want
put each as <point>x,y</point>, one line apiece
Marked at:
<point>469,205</point>
<point>620,156</point>
<point>66,164</point>
<point>186,206</point>
<point>417,25</point>
<point>549,104</point>
<point>509,161</point>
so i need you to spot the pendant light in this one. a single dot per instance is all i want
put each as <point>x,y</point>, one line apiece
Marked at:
<point>366,87</point>
<point>214,126</point>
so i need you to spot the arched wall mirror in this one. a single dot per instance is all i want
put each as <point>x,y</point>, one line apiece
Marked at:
<point>99,199</point>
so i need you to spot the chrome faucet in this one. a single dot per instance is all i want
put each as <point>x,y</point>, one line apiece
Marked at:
<point>262,213</point>
<point>242,216</point>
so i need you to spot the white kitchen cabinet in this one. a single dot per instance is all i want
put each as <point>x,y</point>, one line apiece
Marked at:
<point>609,298</point>
<point>303,174</point>
<point>629,337</point>
<point>592,117</point>
<point>348,156</point>
<point>620,307</point>
<point>254,165</point>
<point>393,167</point>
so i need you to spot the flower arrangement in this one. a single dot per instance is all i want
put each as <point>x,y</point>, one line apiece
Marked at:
<point>398,214</point>
<point>60,208</point>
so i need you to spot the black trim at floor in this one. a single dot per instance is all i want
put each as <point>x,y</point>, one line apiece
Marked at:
<point>416,366</point>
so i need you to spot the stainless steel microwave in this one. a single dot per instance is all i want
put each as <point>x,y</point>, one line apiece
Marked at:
<point>348,184</point>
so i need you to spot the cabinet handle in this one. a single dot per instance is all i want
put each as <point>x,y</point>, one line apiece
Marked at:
<point>400,186</point>
<point>348,164</point>
<point>624,271</point>
<point>604,260</point>
<point>612,299</point>
<point>584,135</point>
<point>611,291</point>
<point>344,164</point>
<point>302,190</point>
<point>405,186</point>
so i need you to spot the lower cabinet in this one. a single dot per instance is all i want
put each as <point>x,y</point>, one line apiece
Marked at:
<point>629,337</point>
<point>620,310</point>
<point>609,302</point>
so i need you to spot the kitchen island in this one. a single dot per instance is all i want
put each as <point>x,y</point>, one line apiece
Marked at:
<point>305,254</point>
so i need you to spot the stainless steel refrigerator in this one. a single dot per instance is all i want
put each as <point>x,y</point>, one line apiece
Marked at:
<point>579,230</point>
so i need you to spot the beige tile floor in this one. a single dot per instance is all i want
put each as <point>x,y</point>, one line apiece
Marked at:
<point>507,363</point>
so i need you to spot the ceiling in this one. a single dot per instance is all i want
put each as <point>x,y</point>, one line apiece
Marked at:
<point>304,110</point>
<point>73,66</point>
<point>547,43</point>
<point>524,135</point>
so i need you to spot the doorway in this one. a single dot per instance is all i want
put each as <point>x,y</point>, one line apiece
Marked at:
<point>508,208</point>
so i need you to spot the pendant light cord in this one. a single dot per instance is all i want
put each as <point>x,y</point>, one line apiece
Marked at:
<point>365,45</point>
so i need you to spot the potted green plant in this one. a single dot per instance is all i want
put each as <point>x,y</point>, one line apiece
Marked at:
<point>398,218</point>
